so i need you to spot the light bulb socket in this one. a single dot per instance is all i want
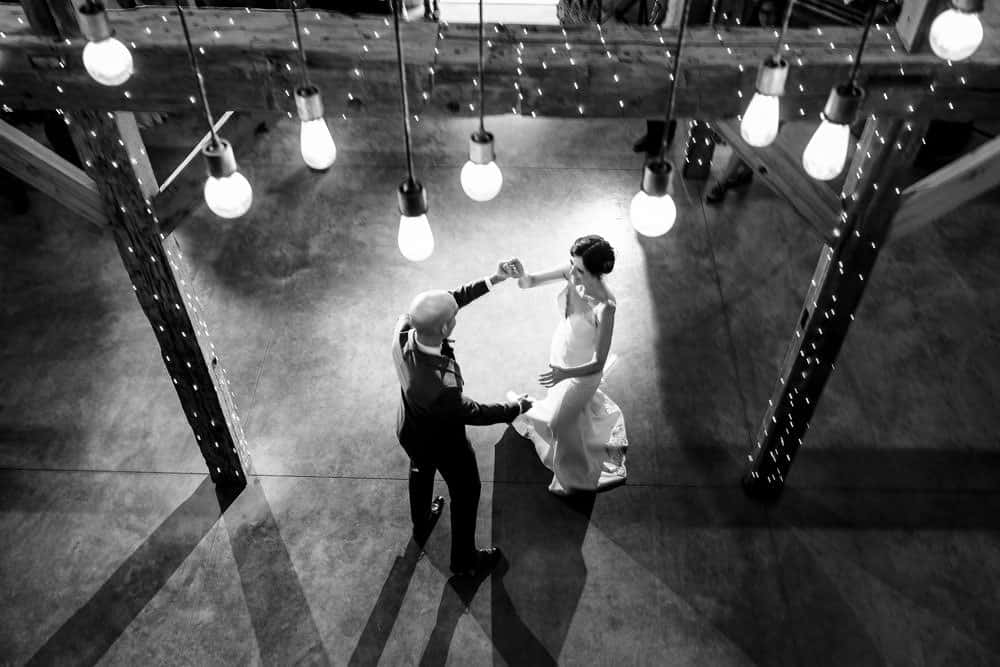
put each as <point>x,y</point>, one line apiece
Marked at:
<point>309,103</point>
<point>93,21</point>
<point>481,148</point>
<point>771,77</point>
<point>412,199</point>
<point>220,159</point>
<point>968,6</point>
<point>843,104</point>
<point>657,177</point>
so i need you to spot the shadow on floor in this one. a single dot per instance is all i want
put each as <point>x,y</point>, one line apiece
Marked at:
<point>533,603</point>
<point>95,626</point>
<point>282,619</point>
<point>386,611</point>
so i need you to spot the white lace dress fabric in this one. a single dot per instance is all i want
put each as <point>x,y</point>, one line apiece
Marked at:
<point>577,430</point>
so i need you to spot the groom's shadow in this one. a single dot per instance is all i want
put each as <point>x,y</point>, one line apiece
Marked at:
<point>536,587</point>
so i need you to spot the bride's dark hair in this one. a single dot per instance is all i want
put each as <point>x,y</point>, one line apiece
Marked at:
<point>597,255</point>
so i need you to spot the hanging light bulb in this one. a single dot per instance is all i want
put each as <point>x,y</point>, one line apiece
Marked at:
<point>318,149</point>
<point>759,126</point>
<point>415,238</point>
<point>653,210</point>
<point>107,60</point>
<point>957,32</point>
<point>481,177</point>
<point>315,140</point>
<point>826,152</point>
<point>227,191</point>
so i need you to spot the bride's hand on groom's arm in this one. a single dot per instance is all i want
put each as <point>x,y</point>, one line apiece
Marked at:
<point>553,376</point>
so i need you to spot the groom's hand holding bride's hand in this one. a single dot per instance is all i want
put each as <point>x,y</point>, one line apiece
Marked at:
<point>553,376</point>
<point>509,268</point>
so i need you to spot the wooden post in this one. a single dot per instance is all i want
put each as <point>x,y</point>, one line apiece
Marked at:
<point>172,311</point>
<point>914,22</point>
<point>886,148</point>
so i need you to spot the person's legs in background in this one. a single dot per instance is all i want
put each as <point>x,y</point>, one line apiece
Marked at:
<point>737,173</point>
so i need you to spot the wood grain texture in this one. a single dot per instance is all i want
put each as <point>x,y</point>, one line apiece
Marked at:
<point>38,165</point>
<point>172,310</point>
<point>780,168</point>
<point>887,146</point>
<point>940,193</point>
<point>250,64</point>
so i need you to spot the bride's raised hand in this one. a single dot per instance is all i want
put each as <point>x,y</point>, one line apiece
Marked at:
<point>553,376</point>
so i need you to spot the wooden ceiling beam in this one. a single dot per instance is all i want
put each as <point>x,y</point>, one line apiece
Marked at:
<point>780,168</point>
<point>36,164</point>
<point>249,64</point>
<point>940,193</point>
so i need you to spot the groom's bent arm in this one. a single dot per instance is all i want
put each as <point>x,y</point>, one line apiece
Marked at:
<point>452,405</point>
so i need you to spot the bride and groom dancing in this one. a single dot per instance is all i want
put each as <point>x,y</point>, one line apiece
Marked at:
<point>578,432</point>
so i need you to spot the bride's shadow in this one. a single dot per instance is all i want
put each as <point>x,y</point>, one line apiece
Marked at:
<point>542,536</point>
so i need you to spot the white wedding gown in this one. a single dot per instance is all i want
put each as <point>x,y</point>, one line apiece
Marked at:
<point>578,432</point>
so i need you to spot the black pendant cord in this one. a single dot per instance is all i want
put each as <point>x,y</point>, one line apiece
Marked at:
<point>396,8</point>
<point>713,12</point>
<point>306,83</point>
<point>198,76</point>
<point>784,29</point>
<point>482,83</point>
<point>861,47</point>
<point>674,80</point>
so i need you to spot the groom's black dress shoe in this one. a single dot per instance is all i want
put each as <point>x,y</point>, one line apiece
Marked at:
<point>423,531</point>
<point>484,561</point>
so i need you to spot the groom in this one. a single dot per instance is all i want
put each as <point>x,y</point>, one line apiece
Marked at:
<point>433,414</point>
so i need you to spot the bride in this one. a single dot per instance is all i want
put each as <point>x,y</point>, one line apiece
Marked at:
<point>578,432</point>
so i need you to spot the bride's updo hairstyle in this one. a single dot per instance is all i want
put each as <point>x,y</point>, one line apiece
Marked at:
<point>597,255</point>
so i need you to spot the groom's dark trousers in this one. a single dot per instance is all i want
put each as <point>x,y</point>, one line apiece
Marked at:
<point>431,424</point>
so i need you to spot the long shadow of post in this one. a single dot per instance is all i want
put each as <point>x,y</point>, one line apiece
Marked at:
<point>95,626</point>
<point>282,620</point>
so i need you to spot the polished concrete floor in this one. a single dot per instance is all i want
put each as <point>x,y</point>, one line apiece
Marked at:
<point>885,548</point>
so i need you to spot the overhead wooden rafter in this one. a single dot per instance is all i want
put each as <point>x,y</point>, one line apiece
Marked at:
<point>940,193</point>
<point>38,165</point>
<point>250,64</point>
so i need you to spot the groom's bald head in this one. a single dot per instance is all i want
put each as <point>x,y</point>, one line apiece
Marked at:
<point>432,312</point>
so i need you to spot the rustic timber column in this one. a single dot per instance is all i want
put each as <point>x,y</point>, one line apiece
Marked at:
<point>197,377</point>
<point>872,190</point>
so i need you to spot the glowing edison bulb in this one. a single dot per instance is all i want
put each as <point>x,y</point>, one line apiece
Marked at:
<point>108,61</point>
<point>229,196</point>
<point>652,216</point>
<point>318,149</point>
<point>416,240</point>
<point>826,152</point>
<point>481,182</point>
<point>759,126</point>
<point>956,35</point>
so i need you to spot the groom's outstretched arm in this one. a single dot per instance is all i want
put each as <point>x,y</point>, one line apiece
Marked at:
<point>452,405</point>
<point>468,293</point>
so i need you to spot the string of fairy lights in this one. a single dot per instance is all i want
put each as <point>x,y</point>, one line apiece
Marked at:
<point>954,35</point>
